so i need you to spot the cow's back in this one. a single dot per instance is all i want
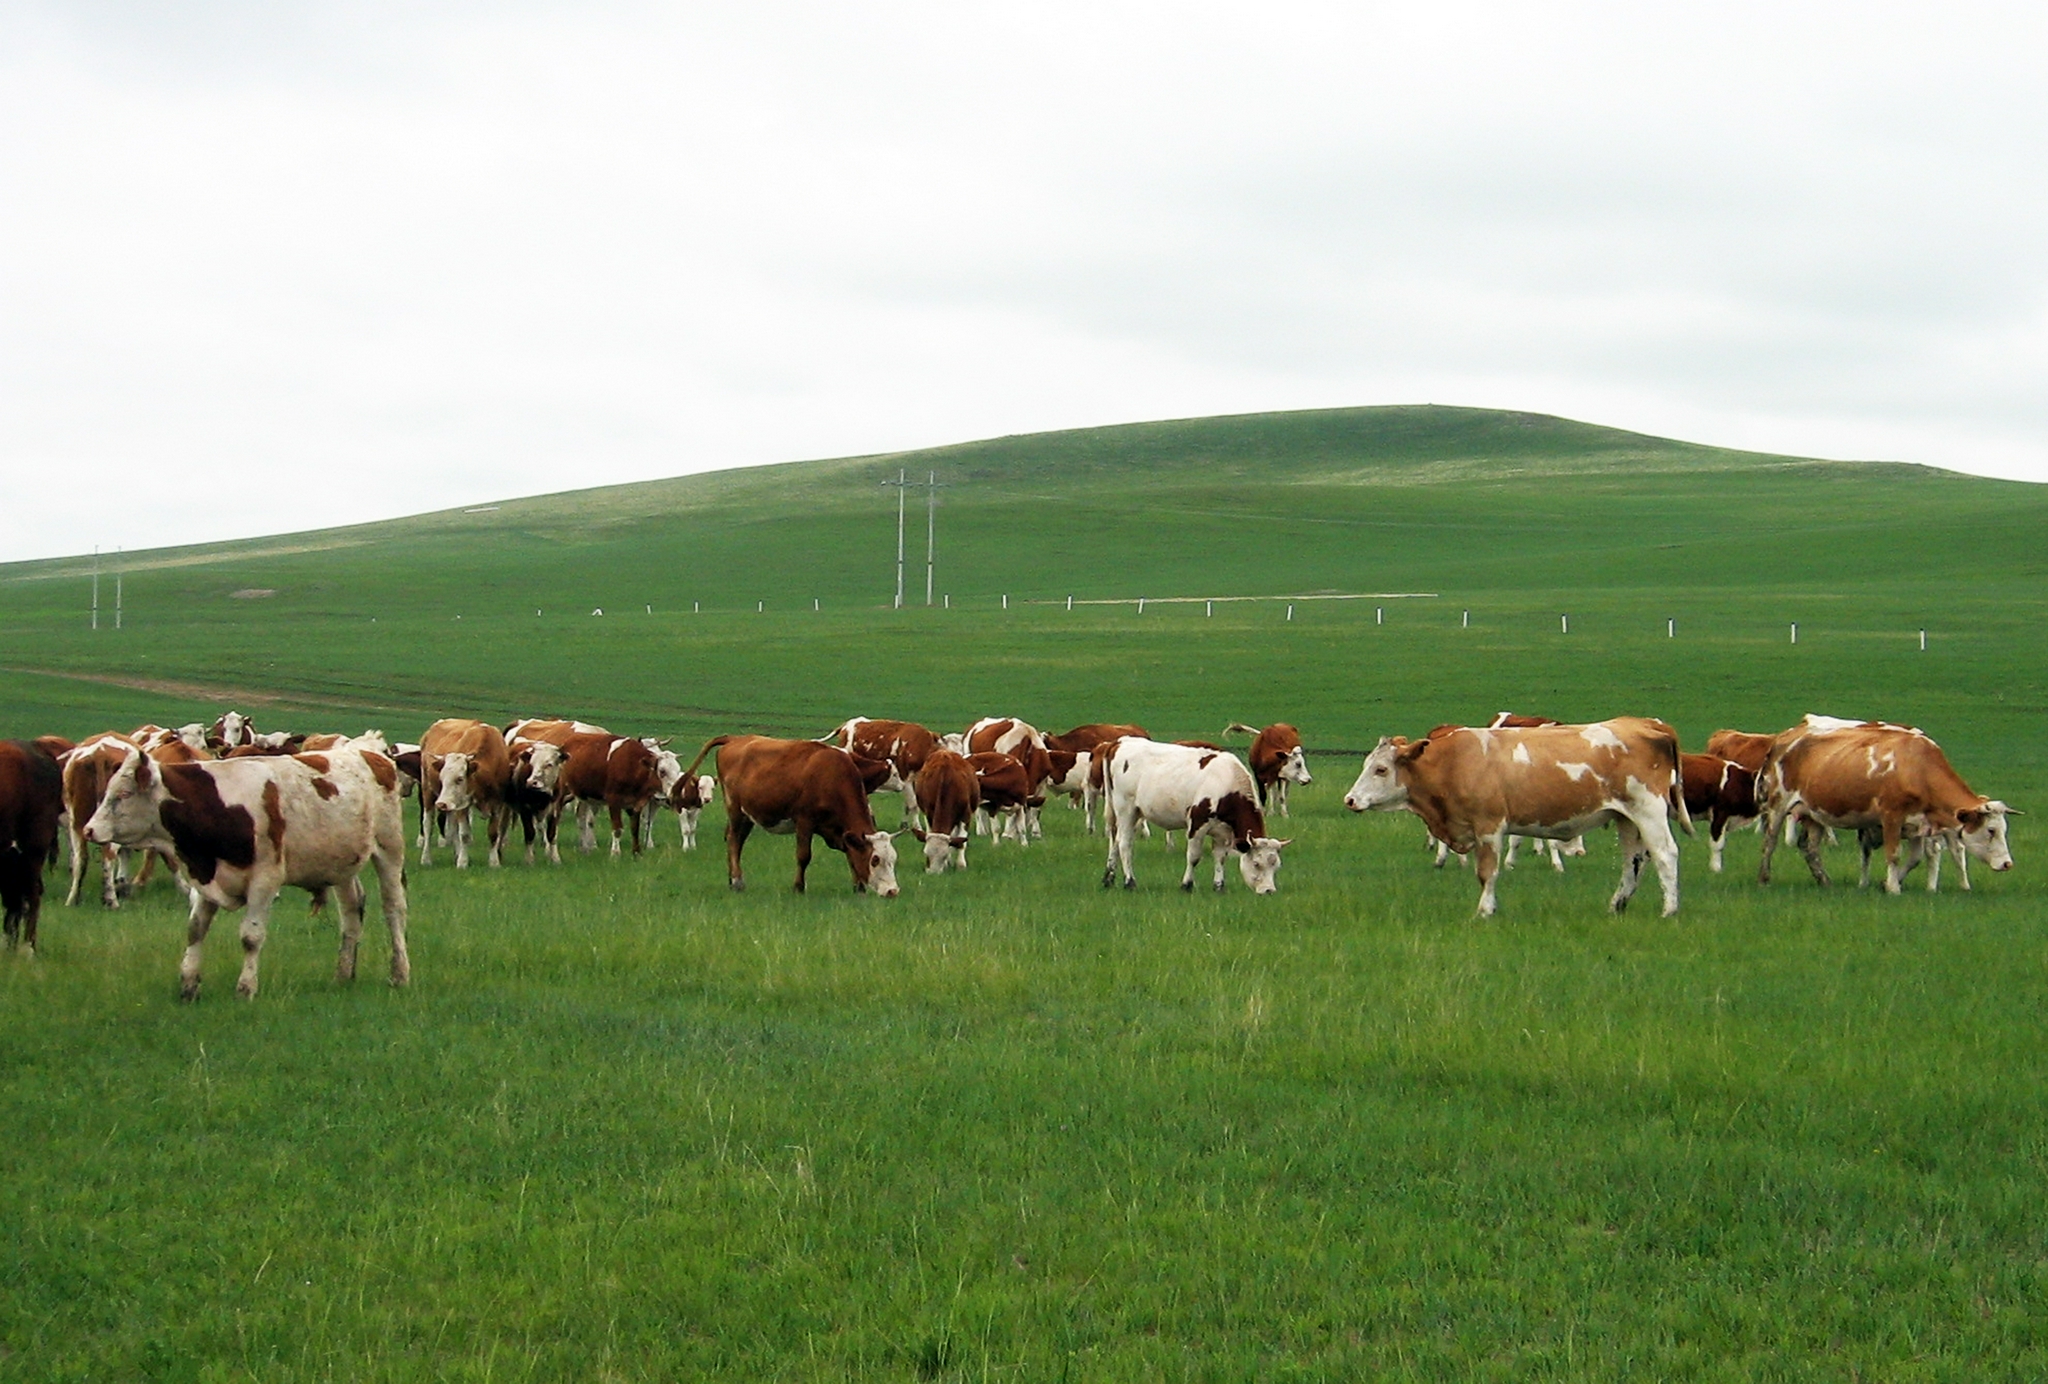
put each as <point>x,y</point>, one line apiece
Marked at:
<point>771,781</point>
<point>947,790</point>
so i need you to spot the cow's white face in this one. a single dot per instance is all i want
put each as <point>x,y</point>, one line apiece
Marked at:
<point>882,870</point>
<point>669,769</point>
<point>1294,768</point>
<point>1261,863</point>
<point>543,765</point>
<point>939,849</point>
<point>234,729</point>
<point>706,786</point>
<point>1984,835</point>
<point>955,742</point>
<point>1378,788</point>
<point>127,814</point>
<point>453,793</point>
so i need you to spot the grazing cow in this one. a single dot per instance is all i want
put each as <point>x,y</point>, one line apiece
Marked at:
<point>1023,742</point>
<point>536,770</point>
<point>1073,764</point>
<point>31,801</point>
<point>1277,760</point>
<point>1209,794</point>
<point>692,794</point>
<point>1723,792</point>
<point>803,788</point>
<point>948,791</point>
<point>464,768</point>
<point>1004,795</point>
<point>1891,782</point>
<point>905,744</point>
<point>1474,787</point>
<point>623,774</point>
<point>243,829</point>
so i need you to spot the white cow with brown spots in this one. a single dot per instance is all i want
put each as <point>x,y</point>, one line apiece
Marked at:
<point>1474,787</point>
<point>1207,793</point>
<point>243,829</point>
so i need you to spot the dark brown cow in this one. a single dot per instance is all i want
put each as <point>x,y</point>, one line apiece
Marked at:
<point>31,801</point>
<point>536,772</point>
<point>1005,794</point>
<point>1721,791</point>
<point>464,768</point>
<point>622,773</point>
<point>804,788</point>
<point>1276,760</point>
<point>948,792</point>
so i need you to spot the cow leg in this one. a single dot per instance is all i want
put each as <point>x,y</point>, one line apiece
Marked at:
<point>1187,879</point>
<point>1717,833</point>
<point>391,895</point>
<point>912,817</point>
<point>1809,844</point>
<point>1867,842</point>
<point>459,829</point>
<point>635,816</point>
<point>78,859</point>
<point>1120,828</point>
<point>1280,796</point>
<point>803,852</point>
<point>586,822</point>
<point>1629,838</point>
<point>196,927</point>
<point>352,896</point>
<point>1486,864</point>
<point>612,810</point>
<point>1555,849</point>
<point>497,826</point>
<point>1771,826</point>
<point>737,826</point>
<point>426,847</point>
<point>1507,861</point>
<point>1962,854</point>
<point>1894,875</point>
<point>255,928</point>
<point>1221,848</point>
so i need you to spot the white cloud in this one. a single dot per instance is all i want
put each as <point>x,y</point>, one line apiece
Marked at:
<point>271,266</point>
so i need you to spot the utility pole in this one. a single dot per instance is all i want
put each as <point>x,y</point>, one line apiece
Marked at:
<point>931,521</point>
<point>117,588</point>
<point>95,586</point>
<point>902,483</point>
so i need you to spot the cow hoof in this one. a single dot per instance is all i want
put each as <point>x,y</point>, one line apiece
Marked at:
<point>1617,906</point>
<point>1187,886</point>
<point>1130,884</point>
<point>739,886</point>
<point>1108,879</point>
<point>1219,886</point>
<point>189,992</point>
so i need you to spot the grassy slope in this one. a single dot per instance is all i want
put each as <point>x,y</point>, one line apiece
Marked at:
<point>629,1125</point>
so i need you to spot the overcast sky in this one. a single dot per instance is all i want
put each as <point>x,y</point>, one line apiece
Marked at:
<point>268,265</point>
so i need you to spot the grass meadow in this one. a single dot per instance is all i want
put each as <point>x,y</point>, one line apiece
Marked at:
<point>628,1125</point>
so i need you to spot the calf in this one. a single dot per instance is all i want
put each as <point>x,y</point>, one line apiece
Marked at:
<point>1277,760</point>
<point>692,794</point>
<point>1474,787</point>
<point>806,789</point>
<point>31,801</point>
<point>243,829</point>
<point>1209,794</point>
<point>948,792</point>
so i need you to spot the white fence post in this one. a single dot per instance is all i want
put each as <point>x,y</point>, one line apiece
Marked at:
<point>1795,631</point>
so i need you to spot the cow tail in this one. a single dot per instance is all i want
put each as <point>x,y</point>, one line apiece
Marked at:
<point>1240,728</point>
<point>709,745</point>
<point>1675,794</point>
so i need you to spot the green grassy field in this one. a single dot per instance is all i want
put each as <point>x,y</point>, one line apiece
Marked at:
<point>627,1125</point>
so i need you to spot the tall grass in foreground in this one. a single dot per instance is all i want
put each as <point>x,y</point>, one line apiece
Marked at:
<point>627,1125</point>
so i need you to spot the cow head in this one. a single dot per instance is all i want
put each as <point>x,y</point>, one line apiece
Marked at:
<point>1983,833</point>
<point>941,849</point>
<point>1379,787</point>
<point>537,765</point>
<point>456,789</point>
<point>231,730</point>
<point>873,857</point>
<point>667,768</point>
<point>128,811</point>
<point>1294,768</point>
<point>1259,862</point>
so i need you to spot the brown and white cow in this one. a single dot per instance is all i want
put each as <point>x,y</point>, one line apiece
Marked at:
<point>530,792</point>
<point>691,795</point>
<point>1474,787</point>
<point>904,744</point>
<point>1556,850</point>
<point>948,791</point>
<point>623,774</point>
<point>465,769</point>
<point>802,788</point>
<point>1024,743</point>
<point>1072,758</point>
<point>1277,759</point>
<point>1207,793</point>
<point>31,801</point>
<point>1721,791</point>
<point>1887,781</point>
<point>87,770</point>
<point>243,829</point>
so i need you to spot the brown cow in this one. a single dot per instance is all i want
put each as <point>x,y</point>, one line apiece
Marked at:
<point>464,768</point>
<point>1005,795</point>
<point>806,789</point>
<point>31,801</point>
<point>1276,759</point>
<point>87,771</point>
<point>948,792</point>
<point>1741,747</point>
<point>1073,764</point>
<point>904,744</point>
<point>691,795</point>
<point>1024,743</point>
<point>1890,781</point>
<point>1473,787</point>
<point>624,774</point>
<point>1723,792</point>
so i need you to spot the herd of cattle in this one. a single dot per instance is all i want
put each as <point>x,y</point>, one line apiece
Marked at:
<point>237,815</point>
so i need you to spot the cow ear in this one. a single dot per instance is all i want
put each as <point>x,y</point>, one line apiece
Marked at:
<point>1971,818</point>
<point>1408,754</point>
<point>142,768</point>
<point>921,836</point>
